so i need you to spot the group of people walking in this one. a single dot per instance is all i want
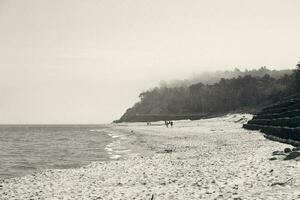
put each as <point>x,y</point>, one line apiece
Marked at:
<point>167,123</point>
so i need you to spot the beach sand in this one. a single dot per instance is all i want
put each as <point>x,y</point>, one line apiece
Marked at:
<point>205,159</point>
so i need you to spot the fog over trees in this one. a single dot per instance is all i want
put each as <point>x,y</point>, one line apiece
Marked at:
<point>217,93</point>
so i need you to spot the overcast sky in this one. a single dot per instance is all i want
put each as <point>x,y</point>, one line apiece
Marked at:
<point>86,61</point>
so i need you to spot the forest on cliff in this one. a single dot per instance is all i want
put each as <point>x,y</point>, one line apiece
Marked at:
<point>229,91</point>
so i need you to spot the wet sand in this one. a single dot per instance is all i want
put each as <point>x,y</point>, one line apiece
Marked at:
<point>204,159</point>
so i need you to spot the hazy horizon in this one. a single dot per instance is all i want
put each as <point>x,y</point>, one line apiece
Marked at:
<point>85,62</point>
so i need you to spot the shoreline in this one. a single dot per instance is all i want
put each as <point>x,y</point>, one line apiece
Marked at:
<point>117,149</point>
<point>122,145</point>
<point>205,159</point>
<point>28,148</point>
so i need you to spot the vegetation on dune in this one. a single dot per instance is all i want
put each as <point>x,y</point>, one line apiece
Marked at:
<point>249,92</point>
<point>280,121</point>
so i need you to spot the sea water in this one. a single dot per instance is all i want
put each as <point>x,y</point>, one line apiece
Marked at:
<point>28,148</point>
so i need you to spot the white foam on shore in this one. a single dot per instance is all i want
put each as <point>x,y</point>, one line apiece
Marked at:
<point>115,135</point>
<point>96,130</point>
<point>114,157</point>
<point>115,149</point>
<point>123,151</point>
<point>108,149</point>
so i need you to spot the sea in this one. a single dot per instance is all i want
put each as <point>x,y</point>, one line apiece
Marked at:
<point>28,148</point>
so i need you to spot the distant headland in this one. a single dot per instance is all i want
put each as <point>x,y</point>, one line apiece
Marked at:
<point>211,94</point>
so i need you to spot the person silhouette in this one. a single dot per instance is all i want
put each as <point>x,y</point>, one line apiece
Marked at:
<point>167,124</point>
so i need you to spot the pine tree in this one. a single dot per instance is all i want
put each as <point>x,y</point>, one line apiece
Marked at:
<point>297,77</point>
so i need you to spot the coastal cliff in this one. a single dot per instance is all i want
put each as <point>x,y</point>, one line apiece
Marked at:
<point>247,93</point>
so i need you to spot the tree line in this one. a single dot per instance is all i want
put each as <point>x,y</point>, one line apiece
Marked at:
<point>243,93</point>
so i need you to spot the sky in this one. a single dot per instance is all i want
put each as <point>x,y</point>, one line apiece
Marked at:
<point>75,61</point>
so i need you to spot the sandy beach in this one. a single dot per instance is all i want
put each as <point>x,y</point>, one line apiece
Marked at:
<point>204,159</point>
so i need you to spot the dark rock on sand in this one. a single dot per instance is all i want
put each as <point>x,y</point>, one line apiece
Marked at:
<point>292,155</point>
<point>278,153</point>
<point>296,149</point>
<point>287,150</point>
<point>273,158</point>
